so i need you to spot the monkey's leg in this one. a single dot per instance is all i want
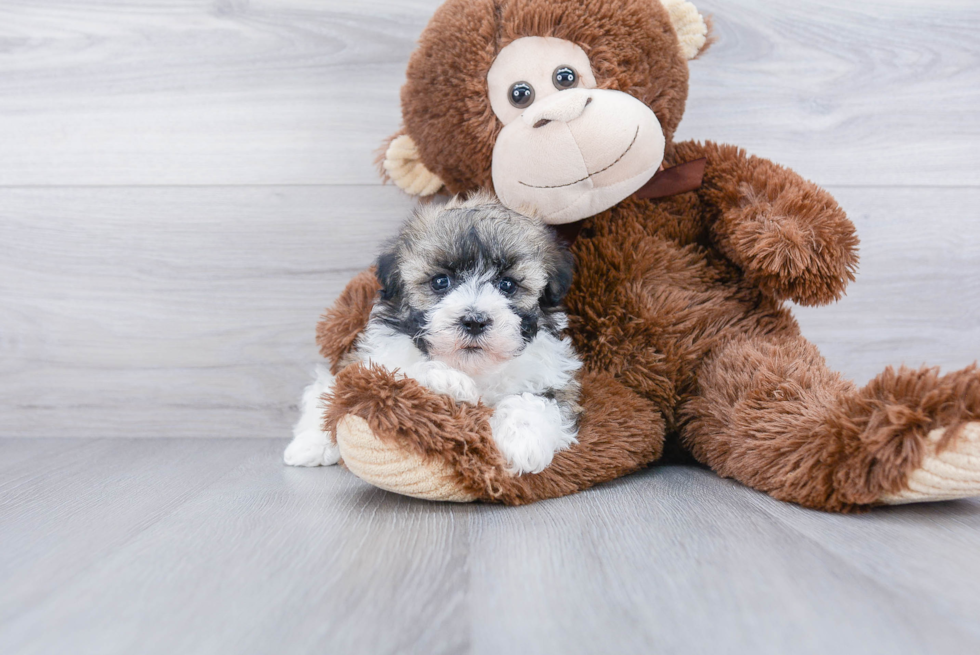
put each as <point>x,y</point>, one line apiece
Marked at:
<point>397,435</point>
<point>772,415</point>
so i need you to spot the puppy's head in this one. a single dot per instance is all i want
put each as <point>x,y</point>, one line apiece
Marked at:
<point>472,282</point>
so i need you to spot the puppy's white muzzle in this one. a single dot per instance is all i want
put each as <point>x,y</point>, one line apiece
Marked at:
<point>473,328</point>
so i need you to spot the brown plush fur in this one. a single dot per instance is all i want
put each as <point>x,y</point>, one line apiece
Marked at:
<point>339,326</point>
<point>676,308</point>
<point>618,435</point>
<point>773,416</point>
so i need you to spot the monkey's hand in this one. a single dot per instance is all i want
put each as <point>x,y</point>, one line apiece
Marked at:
<point>340,326</point>
<point>786,234</point>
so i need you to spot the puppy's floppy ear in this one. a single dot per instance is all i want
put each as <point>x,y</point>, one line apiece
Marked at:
<point>560,271</point>
<point>387,271</point>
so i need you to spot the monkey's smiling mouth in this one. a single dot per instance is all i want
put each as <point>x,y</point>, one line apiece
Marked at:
<point>558,186</point>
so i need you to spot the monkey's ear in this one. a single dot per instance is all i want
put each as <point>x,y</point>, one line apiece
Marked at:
<point>690,25</point>
<point>402,165</point>
<point>386,269</point>
<point>560,274</point>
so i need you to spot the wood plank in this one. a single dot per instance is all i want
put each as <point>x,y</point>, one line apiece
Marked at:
<point>190,311</point>
<point>227,92</point>
<point>300,92</point>
<point>265,558</point>
<point>18,453</point>
<point>65,510</point>
<point>921,554</point>
<point>917,296</point>
<point>172,312</point>
<point>675,560</point>
<point>884,92</point>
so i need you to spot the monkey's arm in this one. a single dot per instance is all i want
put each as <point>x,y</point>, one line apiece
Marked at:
<point>788,235</point>
<point>346,319</point>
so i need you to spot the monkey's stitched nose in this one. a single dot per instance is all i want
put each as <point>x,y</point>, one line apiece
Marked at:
<point>564,106</point>
<point>475,324</point>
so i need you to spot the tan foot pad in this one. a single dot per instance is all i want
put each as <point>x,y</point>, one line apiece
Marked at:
<point>391,469</point>
<point>953,473</point>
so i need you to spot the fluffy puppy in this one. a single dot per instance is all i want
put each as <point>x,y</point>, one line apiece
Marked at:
<point>470,307</point>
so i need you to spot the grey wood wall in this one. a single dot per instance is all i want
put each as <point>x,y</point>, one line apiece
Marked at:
<point>185,185</point>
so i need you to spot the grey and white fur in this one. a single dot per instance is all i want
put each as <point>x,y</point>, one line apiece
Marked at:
<point>470,306</point>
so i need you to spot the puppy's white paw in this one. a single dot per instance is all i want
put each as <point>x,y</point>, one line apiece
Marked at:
<point>441,378</point>
<point>311,446</point>
<point>529,430</point>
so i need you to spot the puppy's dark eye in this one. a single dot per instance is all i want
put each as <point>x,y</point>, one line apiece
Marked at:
<point>521,94</point>
<point>440,283</point>
<point>564,78</point>
<point>507,286</point>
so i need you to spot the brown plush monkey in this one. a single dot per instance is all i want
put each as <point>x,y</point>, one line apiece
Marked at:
<point>567,108</point>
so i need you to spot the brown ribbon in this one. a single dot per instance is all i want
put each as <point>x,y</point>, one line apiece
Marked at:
<point>664,183</point>
<point>671,181</point>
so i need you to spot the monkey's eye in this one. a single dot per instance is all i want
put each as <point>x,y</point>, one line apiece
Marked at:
<point>440,283</point>
<point>507,286</point>
<point>564,78</point>
<point>521,94</point>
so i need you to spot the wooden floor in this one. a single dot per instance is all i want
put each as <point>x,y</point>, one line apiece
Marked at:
<point>208,546</point>
<point>184,186</point>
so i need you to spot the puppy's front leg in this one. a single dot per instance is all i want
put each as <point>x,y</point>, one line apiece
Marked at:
<point>443,379</point>
<point>311,446</point>
<point>529,430</point>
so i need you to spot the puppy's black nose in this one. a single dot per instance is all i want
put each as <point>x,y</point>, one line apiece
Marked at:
<point>475,324</point>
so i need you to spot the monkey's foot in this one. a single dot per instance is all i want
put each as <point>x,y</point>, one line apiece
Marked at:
<point>395,469</point>
<point>947,474</point>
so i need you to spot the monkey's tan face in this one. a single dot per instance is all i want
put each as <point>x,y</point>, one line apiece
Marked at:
<point>567,150</point>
